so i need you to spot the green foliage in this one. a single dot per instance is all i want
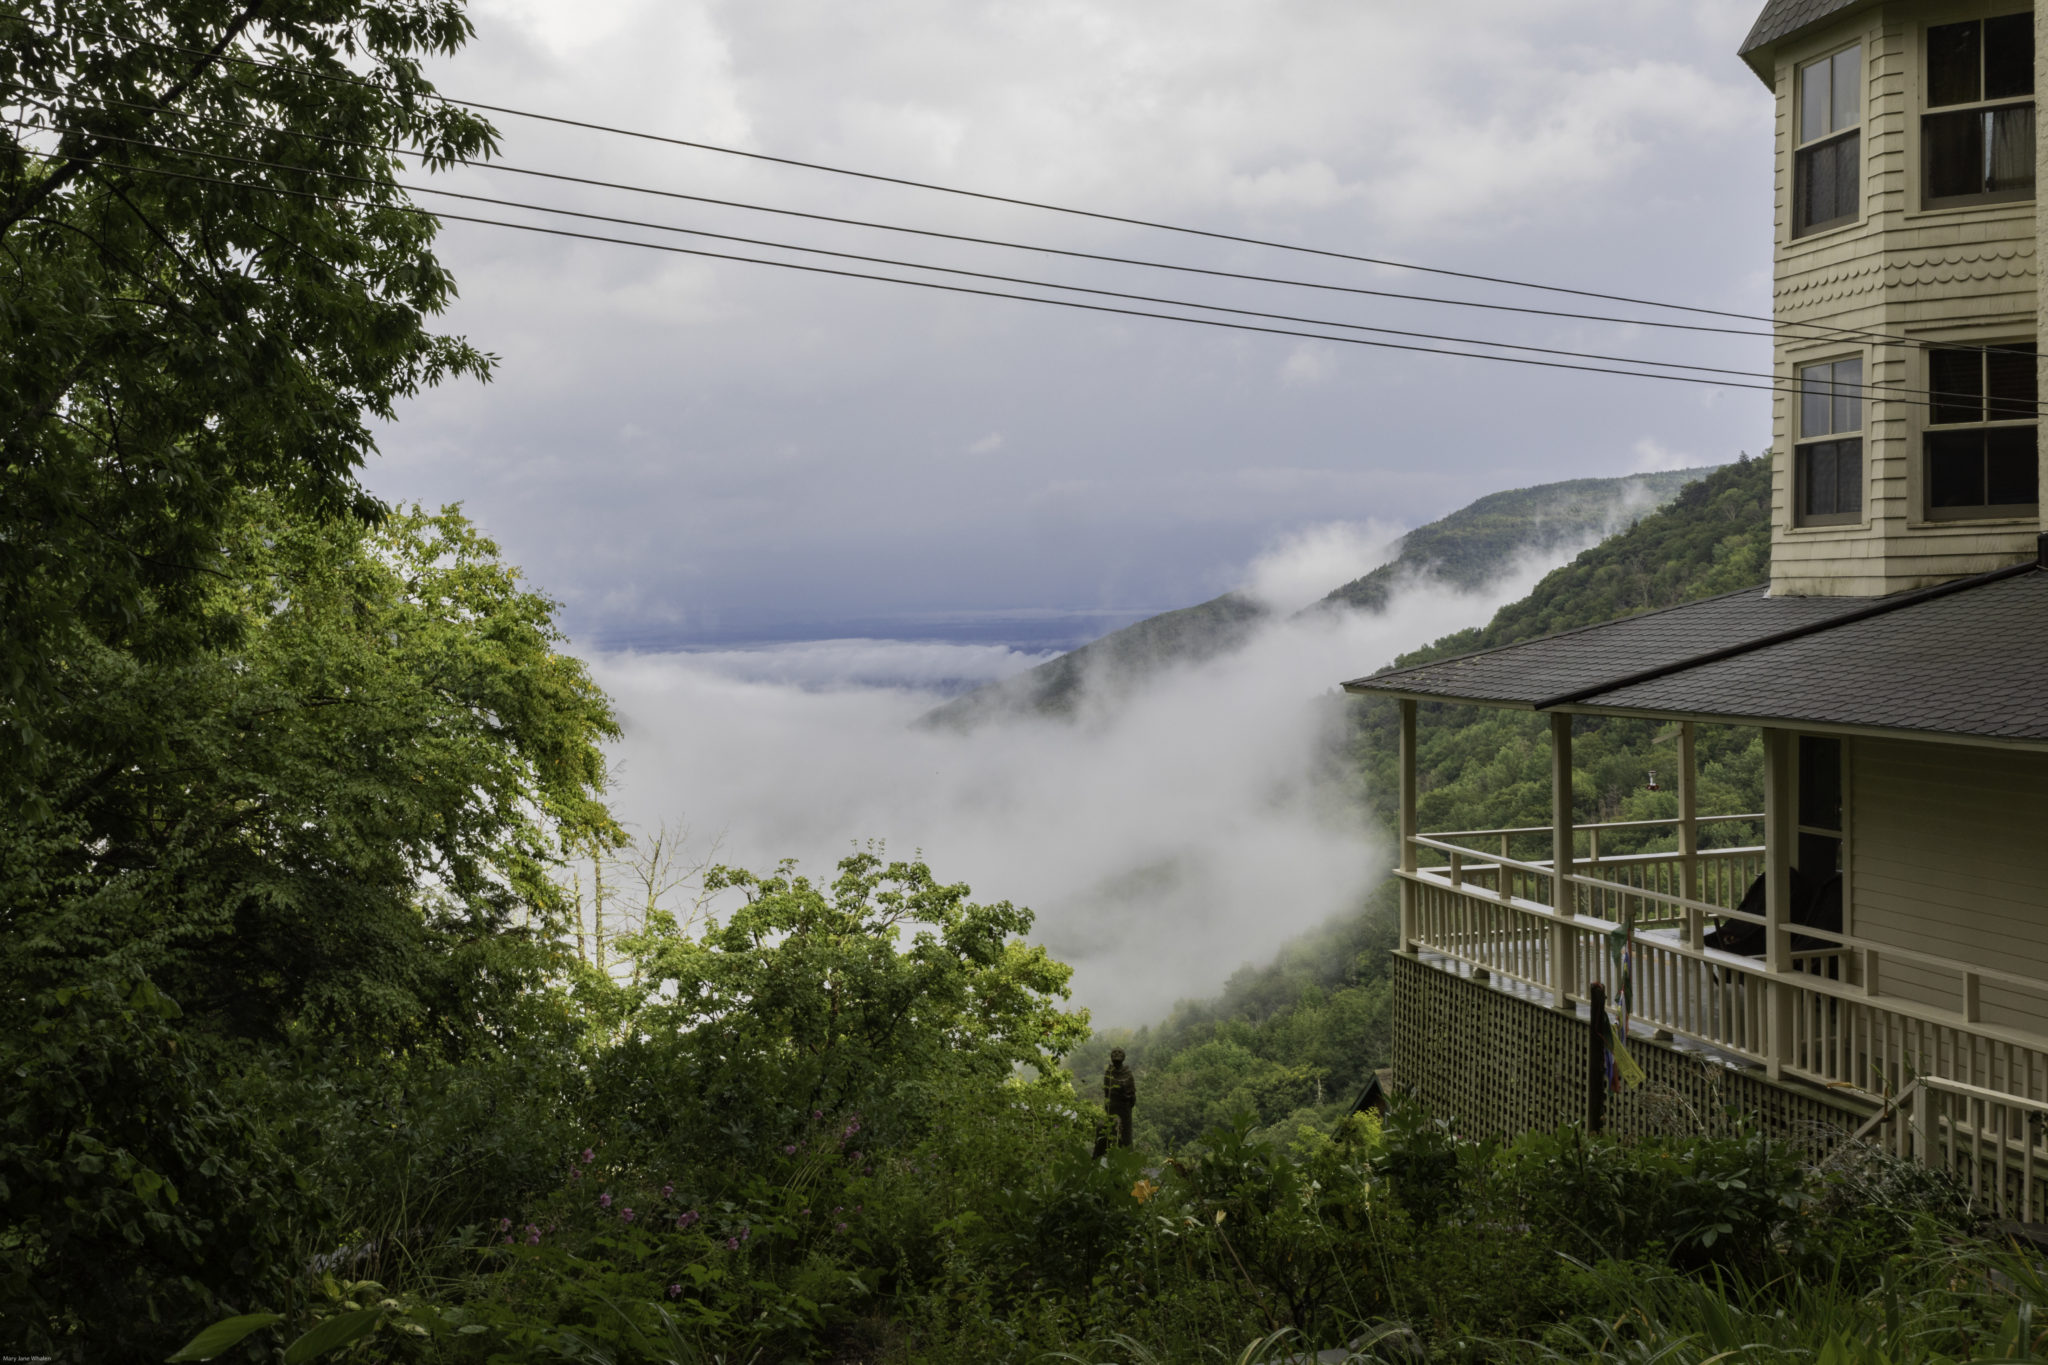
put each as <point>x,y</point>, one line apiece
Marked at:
<point>183,325</point>
<point>342,822</point>
<point>858,998</point>
<point>136,1195</point>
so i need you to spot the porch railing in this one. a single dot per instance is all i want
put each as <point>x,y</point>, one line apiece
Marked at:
<point>1995,1144</point>
<point>1823,1018</point>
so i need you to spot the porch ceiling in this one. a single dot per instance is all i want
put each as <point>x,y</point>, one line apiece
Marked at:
<point>1968,660</point>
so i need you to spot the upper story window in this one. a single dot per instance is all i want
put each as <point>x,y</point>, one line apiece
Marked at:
<point>1827,458</point>
<point>1981,444</point>
<point>1828,158</point>
<point>1979,147</point>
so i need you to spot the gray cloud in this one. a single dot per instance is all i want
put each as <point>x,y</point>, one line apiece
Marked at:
<point>688,450</point>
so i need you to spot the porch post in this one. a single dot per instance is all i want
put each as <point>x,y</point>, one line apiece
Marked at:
<point>1408,831</point>
<point>1563,896</point>
<point>1689,833</point>
<point>1781,813</point>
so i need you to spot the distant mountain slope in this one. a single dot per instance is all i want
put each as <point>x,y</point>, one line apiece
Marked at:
<point>1714,537</point>
<point>1468,548</point>
<point>1056,686</point>
<point>1464,549</point>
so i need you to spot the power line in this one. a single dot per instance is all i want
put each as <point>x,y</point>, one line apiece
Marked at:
<point>942,269</point>
<point>1826,331</point>
<point>1865,389</point>
<point>960,237</point>
<point>951,288</point>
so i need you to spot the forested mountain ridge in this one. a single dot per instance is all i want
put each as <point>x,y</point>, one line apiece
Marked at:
<point>1713,537</point>
<point>1293,1040</point>
<point>1465,550</point>
<point>1468,548</point>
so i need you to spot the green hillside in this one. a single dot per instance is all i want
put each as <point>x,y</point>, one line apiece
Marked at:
<point>1466,549</point>
<point>1294,1040</point>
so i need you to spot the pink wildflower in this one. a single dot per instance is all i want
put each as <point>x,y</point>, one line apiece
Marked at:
<point>588,1156</point>
<point>627,1215</point>
<point>789,1150</point>
<point>668,1191</point>
<point>504,1225</point>
<point>732,1244</point>
<point>675,1291</point>
<point>604,1201</point>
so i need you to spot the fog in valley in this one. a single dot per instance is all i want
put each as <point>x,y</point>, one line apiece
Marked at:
<point>1171,831</point>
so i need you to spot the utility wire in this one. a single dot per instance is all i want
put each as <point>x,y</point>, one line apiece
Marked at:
<point>1826,332</point>
<point>629,188</point>
<point>947,270</point>
<point>948,288</point>
<point>1865,389</point>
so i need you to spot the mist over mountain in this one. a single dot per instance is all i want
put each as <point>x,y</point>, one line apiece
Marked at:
<point>1467,551</point>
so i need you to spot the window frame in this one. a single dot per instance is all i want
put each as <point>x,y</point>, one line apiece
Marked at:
<point>1802,442</point>
<point>1928,201</point>
<point>1929,428</point>
<point>1805,150</point>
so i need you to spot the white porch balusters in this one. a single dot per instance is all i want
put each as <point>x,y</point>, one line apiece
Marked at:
<point>1564,896</point>
<point>1408,826</point>
<point>1689,835</point>
<point>1781,837</point>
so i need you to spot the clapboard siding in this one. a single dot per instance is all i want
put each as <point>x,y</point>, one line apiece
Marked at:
<point>1945,848</point>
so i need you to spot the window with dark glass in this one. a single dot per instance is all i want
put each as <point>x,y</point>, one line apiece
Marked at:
<point>1826,167</point>
<point>1827,457</point>
<point>1981,444</point>
<point>1979,147</point>
<point>1820,807</point>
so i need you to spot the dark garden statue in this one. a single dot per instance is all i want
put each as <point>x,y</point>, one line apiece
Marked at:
<point>1119,1095</point>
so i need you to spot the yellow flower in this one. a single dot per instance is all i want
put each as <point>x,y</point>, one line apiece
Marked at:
<point>1144,1190</point>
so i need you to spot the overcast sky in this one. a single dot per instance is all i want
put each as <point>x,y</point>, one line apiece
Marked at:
<point>691,452</point>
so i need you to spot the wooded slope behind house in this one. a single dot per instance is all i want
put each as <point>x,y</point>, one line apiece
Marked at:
<point>1467,549</point>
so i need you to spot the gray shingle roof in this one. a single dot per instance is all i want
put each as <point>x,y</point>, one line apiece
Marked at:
<point>1974,663</point>
<point>1592,656</point>
<point>1782,18</point>
<point>1969,661</point>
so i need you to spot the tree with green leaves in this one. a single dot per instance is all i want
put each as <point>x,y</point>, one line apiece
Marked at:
<point>180,323</point>
<point>862,997</point>
<point>329,842</point>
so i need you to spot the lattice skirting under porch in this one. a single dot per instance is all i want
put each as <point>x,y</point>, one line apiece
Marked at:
<point>1499,1064</point>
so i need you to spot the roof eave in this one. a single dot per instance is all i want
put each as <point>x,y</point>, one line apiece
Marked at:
<point>1807,725</point>
<point>1761,56</point>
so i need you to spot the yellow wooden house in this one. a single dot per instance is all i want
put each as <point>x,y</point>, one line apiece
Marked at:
<point>1889,973</point>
